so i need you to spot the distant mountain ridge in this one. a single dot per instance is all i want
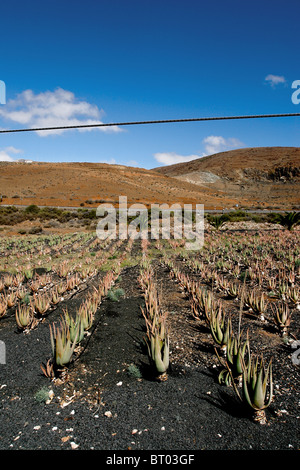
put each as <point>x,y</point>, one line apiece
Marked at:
<point>262,177</point>
<point>266,175</point>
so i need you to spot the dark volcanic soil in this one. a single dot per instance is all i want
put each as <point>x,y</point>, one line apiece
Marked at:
<point>101,405</point>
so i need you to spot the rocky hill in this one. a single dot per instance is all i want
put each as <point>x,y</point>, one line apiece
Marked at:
<point>250,178</point>
<point>262,176</point>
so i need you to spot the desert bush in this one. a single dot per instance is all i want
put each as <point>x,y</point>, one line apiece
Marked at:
<point>134,371</point>
<point>289,220</point>
<point>35,230</point>
<point>115,294</point>
<point>217,221</point>
<point>32,209</point>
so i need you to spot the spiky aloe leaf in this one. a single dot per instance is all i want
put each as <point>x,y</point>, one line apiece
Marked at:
<point>236,352</point>
<point>76,327</point>
<point>161,357</point>
<point>255,380</point>
<point>220,328</point>
<point>258,400</point>
<point>239,364</point>
<point>62,346</point>
<point>269,378</point>
<point>224,377</point>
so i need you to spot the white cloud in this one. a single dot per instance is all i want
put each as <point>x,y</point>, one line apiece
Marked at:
<point>5,157</point>
<point>132,163</point>
<point>112,161</point>
<point>275,79</point>
<point>213,144</point>
<point>52,109</point>
<point>170,158</point>
<point>5,154</point>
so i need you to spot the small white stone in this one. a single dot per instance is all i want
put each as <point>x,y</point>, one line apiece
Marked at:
<point>36,428</point>
<point>74,445</point>
<point>119,384</point>
<point>108,414</point>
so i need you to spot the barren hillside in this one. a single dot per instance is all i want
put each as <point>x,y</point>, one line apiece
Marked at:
<point>88,184</point>
<point>251,178</point>
<point>267,176</point>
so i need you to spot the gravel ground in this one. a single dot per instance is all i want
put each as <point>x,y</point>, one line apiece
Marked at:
<point>100,405</point>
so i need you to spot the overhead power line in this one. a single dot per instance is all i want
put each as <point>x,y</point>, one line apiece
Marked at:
<point>163,121</point>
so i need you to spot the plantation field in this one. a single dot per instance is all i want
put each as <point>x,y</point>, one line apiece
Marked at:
<point>127,344</point>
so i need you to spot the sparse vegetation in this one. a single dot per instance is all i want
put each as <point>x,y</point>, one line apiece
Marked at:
<point>115,294</point>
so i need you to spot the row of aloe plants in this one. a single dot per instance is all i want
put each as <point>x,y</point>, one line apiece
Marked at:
<point>248,374</point>
<point>68,334</point>
<point>26,254</point>
<point>256,301</point>
<point>66,337</point>
<point>35,296</point>
<point>157,334</point>
<point>269,280</point>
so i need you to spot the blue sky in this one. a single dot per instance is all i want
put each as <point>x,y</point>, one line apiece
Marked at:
<point>73,62</point>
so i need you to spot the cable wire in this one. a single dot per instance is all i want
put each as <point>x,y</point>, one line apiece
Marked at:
<point>134,123</point>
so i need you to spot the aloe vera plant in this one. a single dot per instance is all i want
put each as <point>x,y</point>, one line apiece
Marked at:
<point>293,295</point>
<point>54,295</point>
<point>3,305</point>
<point>158,347</point>
<point>203,303</point>
<point>282,318</point>
<point>76,327</point>
<point>157,337</point>
<point>62,346</point>
<point>220,327</point>
<point>233,290</point>
<point>41,303</point>
<point>11,299</point>
<point>257,388</point>
<point>237,356</point>
<point>257,303</point>
<point>85,313</point>
<point>25,317</point>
